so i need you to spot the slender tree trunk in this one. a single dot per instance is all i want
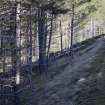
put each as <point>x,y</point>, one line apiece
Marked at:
<point>92,27</point>
<point>61,35</point>
<point>30,37</point>
<point>69,37</point>
<point>72,29</point>
<point>4,62</point>
<point>46,29</point>
<point>2,50</point>
<point>27,38</point>
<point>18,43</point>
<point>18,54</point>
<point>50,35</point>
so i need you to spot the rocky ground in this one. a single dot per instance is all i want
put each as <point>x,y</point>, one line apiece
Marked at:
<point>79,81</point>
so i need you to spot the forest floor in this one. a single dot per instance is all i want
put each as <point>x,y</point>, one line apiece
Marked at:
<point>79,81</point>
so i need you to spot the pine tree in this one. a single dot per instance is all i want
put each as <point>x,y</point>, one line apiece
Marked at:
<point>44,7</point>
<point>78,15</point>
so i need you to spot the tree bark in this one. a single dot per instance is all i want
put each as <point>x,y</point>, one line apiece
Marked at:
<point>42,40</point>
<point>72,25</point>
<point>18,43</point>
<point>13,40</point>
<point>72,29</point>
<point>30,38</point>
<point>50,35</point>
<point>61,35</point>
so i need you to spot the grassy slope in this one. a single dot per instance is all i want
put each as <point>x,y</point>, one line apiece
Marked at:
<point>93,90</point>
<point>27,95</point>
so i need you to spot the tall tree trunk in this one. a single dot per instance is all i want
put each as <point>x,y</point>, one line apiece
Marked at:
<point>61,35</point>
<point>92,27</point>
<point>42,40</point>
<point>30,37</point>
<point>18,43</point>
<point>13,41</point>
<point>18,53</point>
<point>2,49</point>
<point>72,28</point>
<point>50,35</point>
<point>46,30</point>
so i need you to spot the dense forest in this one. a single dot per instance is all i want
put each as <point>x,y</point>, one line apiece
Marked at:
<point>41,42</point>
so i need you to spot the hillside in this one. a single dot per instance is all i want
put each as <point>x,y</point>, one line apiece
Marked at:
<point>81,82</point>
<point>52,52</point>
<point>92,24</point>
